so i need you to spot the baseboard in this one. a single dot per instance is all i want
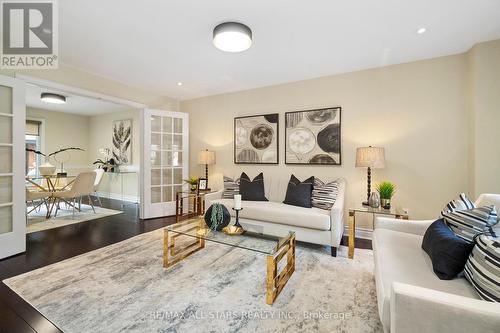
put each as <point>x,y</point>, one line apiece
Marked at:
<point>118,196</point>
<point>360,232</point>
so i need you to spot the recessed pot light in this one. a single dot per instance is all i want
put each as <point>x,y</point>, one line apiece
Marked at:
<point>421,30</point>
<point>232,37</point>
<point>53,98</point>
<point>179,83</point>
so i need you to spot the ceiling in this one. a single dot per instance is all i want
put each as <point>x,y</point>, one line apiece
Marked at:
<point>155,44</point>
<point>85,106</point>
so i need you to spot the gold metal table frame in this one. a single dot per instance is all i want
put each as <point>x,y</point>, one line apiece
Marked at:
<point>179,244</point>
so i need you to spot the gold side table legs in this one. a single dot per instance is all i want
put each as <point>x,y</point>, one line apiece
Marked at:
<point>275,282</point>
<point>352,233</point>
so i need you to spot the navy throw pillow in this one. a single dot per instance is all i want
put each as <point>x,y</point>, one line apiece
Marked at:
<point>252,190</point>
<point>447,251</point>
<point>299,193</point>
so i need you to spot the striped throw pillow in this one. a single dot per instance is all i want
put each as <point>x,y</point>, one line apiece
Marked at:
<point>468,223</point>
<point>324,195</point>
<point>483,268</point>
<point>231,187</point>
<point>462,203</point>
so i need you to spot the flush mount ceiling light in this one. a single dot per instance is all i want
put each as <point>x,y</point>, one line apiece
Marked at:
<point>53,98</point>
<point>232,37</point>
<point>421,30</point>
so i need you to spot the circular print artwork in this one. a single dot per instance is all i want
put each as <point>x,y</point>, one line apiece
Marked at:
<point>321,116</point>
<point>301,141</point>
<point>322,159</point>
<point>261,136</point>
<point>241,136</point>
<point>248,156</point>
<point>217,217</point>
<point>329,139</point>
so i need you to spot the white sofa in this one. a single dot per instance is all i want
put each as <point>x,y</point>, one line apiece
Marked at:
<point>411,298</point>
<point>273,217</point>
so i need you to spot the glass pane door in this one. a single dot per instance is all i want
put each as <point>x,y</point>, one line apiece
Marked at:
<point>165,145</point>
<point>12,202</point>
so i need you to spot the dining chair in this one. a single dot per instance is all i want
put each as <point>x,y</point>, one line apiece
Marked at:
<point>83,186</point>
<point>98,177</point>
<point>36,196</point>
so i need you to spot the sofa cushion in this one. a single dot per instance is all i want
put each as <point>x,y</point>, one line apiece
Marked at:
<point>299,193</point>
<point>468,223</point>
<point>252,190</point>
<point>231,187</point>
<point>462,203</point>
<point>399,258</point>
<point>483,268</point>
<point>447,251</point>
<point>277,212</point>
<point>324,194</point>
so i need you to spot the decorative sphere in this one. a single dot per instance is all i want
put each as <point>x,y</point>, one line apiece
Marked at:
<point>219,219</point>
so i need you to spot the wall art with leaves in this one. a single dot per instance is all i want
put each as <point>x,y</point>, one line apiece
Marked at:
<point>122,141</point>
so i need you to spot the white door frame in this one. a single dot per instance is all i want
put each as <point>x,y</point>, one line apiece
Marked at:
<point>149,210</point>
<point>14,242</point>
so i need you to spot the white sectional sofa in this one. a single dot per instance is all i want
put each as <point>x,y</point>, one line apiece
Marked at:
<point>312,225</point>
<point>411,298</point>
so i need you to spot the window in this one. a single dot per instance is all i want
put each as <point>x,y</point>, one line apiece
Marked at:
<point>33,141</point>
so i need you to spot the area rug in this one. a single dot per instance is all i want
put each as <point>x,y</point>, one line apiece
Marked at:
<point>38,222</point>
<point>123,287</point>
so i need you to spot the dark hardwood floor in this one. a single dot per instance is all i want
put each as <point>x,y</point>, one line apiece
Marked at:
<point>50,246</point>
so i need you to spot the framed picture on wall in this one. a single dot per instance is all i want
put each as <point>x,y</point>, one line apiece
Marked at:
<point>122,141</point>
<point>256,139</point>
<point>313,137</point>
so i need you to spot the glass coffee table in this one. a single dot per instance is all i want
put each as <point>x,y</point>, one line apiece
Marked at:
<point>185,238</point>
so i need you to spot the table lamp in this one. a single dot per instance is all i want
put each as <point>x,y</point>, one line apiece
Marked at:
<point>370,157</point>
<point>208,158</point>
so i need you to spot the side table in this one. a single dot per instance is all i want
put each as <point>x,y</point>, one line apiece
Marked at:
<point>369,210</point>
<point>189,204</point>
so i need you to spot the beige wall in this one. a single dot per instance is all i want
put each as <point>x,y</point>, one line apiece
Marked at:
<point>484,65</point>
<point>99,136</point>
<point>415,110</point>
<point>63,130</point>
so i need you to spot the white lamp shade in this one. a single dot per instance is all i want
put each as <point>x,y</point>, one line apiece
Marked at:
<point>206,157</point>
<point>370,157</point>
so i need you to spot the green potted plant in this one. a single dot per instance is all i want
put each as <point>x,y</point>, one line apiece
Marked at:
<point>193,182</point>
<point>386,191</point>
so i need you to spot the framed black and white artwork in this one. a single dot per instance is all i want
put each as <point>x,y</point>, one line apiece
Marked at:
<point>313,137</point>
<point>122,141</point>
<point>256,139</point>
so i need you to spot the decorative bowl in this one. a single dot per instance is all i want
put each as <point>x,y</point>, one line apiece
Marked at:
<point>233,230</point>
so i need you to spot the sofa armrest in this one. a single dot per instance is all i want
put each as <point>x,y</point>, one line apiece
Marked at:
<point>409,226</point>
<point>209,197</point>
<point>337,215</point>
<point>417,309</point>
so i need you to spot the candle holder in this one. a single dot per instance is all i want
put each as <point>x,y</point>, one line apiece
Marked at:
<point>237,224</point>
<point>235,229</point>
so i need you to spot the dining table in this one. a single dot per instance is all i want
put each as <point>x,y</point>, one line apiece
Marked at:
<point>50,184</point>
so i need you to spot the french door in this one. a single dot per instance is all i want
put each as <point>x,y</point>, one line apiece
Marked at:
<point>165,157</point>
<point>12,166</point>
